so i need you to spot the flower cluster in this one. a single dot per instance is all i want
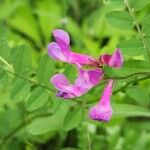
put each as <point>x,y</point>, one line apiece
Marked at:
<point>87,78</point>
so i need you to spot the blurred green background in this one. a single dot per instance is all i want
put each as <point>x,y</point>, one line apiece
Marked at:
<point>31,117</point>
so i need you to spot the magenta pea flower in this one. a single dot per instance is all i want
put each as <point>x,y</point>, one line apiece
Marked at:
<point>87,79</point>
<point>103,110</point>
<point>60,50</point>
<point>115,60</point>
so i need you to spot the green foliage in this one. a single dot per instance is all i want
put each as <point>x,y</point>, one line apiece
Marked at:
<point>47,124</point>
<point>120,19</point>
<point>126,110</point>
<point>37,99</point>
<point>22,60</point>
<point>138,4</point>
<point>20,90</point>
<point>138,94</point>
<point>145,26</point>
<point>131,47</point>
<point>73,118</point>
<point>31,116</point>
<point>45,70</point>
<point>129,67</point>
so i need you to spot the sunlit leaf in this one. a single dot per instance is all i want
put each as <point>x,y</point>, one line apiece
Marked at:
<point>73,118</point>
<point>138,4</point>
<point>20,90</point>
<point>138,94</point>
<point>120,19</point>
<point>45,70</point>
<point>127,110</point>
<point>145,26</point>
<point>37,99</point>
<point>21,58</point>
<point>47,124</point>
<point>131,47</point>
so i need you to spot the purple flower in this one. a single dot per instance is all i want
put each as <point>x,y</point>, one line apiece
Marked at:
<point>103,110</point>
<point>60,50</point>
<point>115,60</point>
<point>86,80</point>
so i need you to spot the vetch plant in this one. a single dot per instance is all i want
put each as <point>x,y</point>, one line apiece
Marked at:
<point>87,79</point>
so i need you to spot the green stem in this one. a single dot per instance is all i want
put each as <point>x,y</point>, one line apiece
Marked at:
<point>124,87</point>
<point>6,63</point>
<point>127,76</point>
<point>87,129</point>
<point>131,12</point>
<point>131,82</point>
<point>27,79</point>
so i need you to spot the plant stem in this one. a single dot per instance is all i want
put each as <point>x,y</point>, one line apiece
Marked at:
<point>131,12</point>
<point>87,129</point>
<point>6,63</point>
<point>127,76</point>
<point>131,82</point>
<point>27,79</point>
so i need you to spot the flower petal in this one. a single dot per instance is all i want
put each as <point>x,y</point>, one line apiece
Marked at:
<point>55,52</point>
<point>103,110</point>
<point>61,36</point>
<point>86,80</point>
<point>82,59</point>
<point>95,76</point>
<point>116,59</point>
<point>60,82</point>
<point>104,59</point>
<point>100,113</point>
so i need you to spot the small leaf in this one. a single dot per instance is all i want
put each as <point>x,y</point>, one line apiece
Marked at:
<point>146,26</point>
<point>47,124</point>
<point>43,125</point>
<point>131,47</point>
<point>115,4</point>
<point>20,90</point>
<point>37,99</point>
<point>21,58</point>
<point>45,70</point>
<point>138,94</point>
<point>120,19</point>
<point>72,119</point>
<point>128,110</point>
<point>4,49</point>
<point>138,4</point>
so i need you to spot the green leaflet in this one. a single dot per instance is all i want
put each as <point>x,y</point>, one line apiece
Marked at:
<point>7,8</point>
<point>47,124</point>
<point>138,94</point>
<point>146,26</point>
<point>37,99</point>
<point>131,47</point>
<point>128,110</point>
<point>120,19</point>
<point>4,49</point>
<point>21,58</point>
<point>73,118</point>
<point>20,90</point>
<point>115,4</point>
<point>45,70</point>
<point>138,4</point>
<point>24,21</point>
